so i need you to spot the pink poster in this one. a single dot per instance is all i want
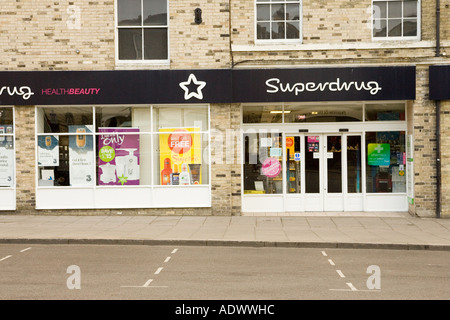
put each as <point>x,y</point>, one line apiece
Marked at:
<point>118,156</point>
<point>271,167</point>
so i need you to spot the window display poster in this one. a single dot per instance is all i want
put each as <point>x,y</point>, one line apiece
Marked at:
<point>180,153</point>
<point>379,154</point>
<point>48,151</point>
<point>6,166</point>
<point>118,156</point>
<point>313,143</point>
<point>81,156</point>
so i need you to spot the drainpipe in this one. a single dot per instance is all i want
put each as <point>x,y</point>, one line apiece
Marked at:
<point>438,159</point>
<point>438,27</point>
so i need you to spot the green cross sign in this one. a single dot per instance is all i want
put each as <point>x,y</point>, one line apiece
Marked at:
<point>379,154</point>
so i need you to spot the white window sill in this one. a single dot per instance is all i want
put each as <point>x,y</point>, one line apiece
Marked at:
<point>379,44</point>
<point>137,65</point>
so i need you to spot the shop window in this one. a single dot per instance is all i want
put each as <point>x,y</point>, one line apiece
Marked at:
<point>120,146</point>
<point>385,162</point>
<point>278,20</point>
<point>142,30</point>
<point>385,112</point>
<point>396,19</point>
<point>263,163</point>
<point>322,113</point>
<point>123,145</point>
<point>6,147</point>
<point>65,146</point>
<point>262,114</point>
<point>181,146</point>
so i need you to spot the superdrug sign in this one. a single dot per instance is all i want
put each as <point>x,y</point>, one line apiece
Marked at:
<point>207,86</point>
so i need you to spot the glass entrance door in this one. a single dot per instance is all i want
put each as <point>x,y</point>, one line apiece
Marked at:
<point>323,172</point>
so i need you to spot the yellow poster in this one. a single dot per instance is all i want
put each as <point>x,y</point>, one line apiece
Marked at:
<point>180,156</point>
<point>290,147</point>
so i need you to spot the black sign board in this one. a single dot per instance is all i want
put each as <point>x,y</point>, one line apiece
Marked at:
<point>440,82</point>
<point>207,86</point>
<point>114,87</point>
<point>325,84</point>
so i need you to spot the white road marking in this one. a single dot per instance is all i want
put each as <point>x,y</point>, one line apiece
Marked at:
<point>167,260</point>
<point>25,249</point>
<point>351,286</point>
<point>324,253</point>
<point>174,250</point>
<point>340,273</point>
<point>4,258</point>
<point>148,283</point>
<point>331,262</point>
<point>158,270</point>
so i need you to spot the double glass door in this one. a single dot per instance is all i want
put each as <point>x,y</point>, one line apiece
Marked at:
<point>323,172</point>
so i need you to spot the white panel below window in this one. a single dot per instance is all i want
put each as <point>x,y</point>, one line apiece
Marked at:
<point>7,199</point>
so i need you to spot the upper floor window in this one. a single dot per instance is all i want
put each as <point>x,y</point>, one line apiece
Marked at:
<point>278,20</point>
<point>142,30</point>
<point>396,19</point>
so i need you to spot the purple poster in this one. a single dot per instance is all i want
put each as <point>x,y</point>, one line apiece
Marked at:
<point>118,156</point>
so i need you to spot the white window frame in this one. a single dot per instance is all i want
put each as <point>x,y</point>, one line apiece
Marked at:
<point>163,62</point>
<point>402,38</point>
<point>278,41</point>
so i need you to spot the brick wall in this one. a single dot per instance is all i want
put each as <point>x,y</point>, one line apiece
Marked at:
<point>25,159</point>
<point>424,147</point>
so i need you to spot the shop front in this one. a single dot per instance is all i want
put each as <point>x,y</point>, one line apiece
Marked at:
<point>337,143</point>
<point>313,139</point>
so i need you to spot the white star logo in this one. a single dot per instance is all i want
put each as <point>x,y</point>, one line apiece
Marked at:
<point>185,86</point>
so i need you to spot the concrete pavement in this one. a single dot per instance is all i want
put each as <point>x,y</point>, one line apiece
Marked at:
<point>328,230</point>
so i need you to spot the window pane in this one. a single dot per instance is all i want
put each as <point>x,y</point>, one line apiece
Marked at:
<point>410,9</point>
<point>262,114</point>
<point>354,164</point>
<point>263,12</point>
<point>119,157</point>
<point>6,155</point>
<point>318,113</point>
<point>60,119</point>
<point>293,30</point>
<point>130,44</point>
<point>181,157</point>
<point>112,117</point>
<point>6,119</point>
<point>278,12</point>
<point>385,112</point>
<point>334,164</point>
<point>312,164</point>
<point>188,117</point>
<point>395,28</point>
<point>410,28</point>
<point>66,160</point>
<point>129,12</point>
<point>278,30</point>
<point>262,167</point>
<point>155,12</point>
<point>155,44</point>
<point>293,171</point>
<point>379,9</point>
<point>263,30</point>
<point>379,28</point>
<point>395,9</point>
<point>292,12</point>
<point>386,162</point>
